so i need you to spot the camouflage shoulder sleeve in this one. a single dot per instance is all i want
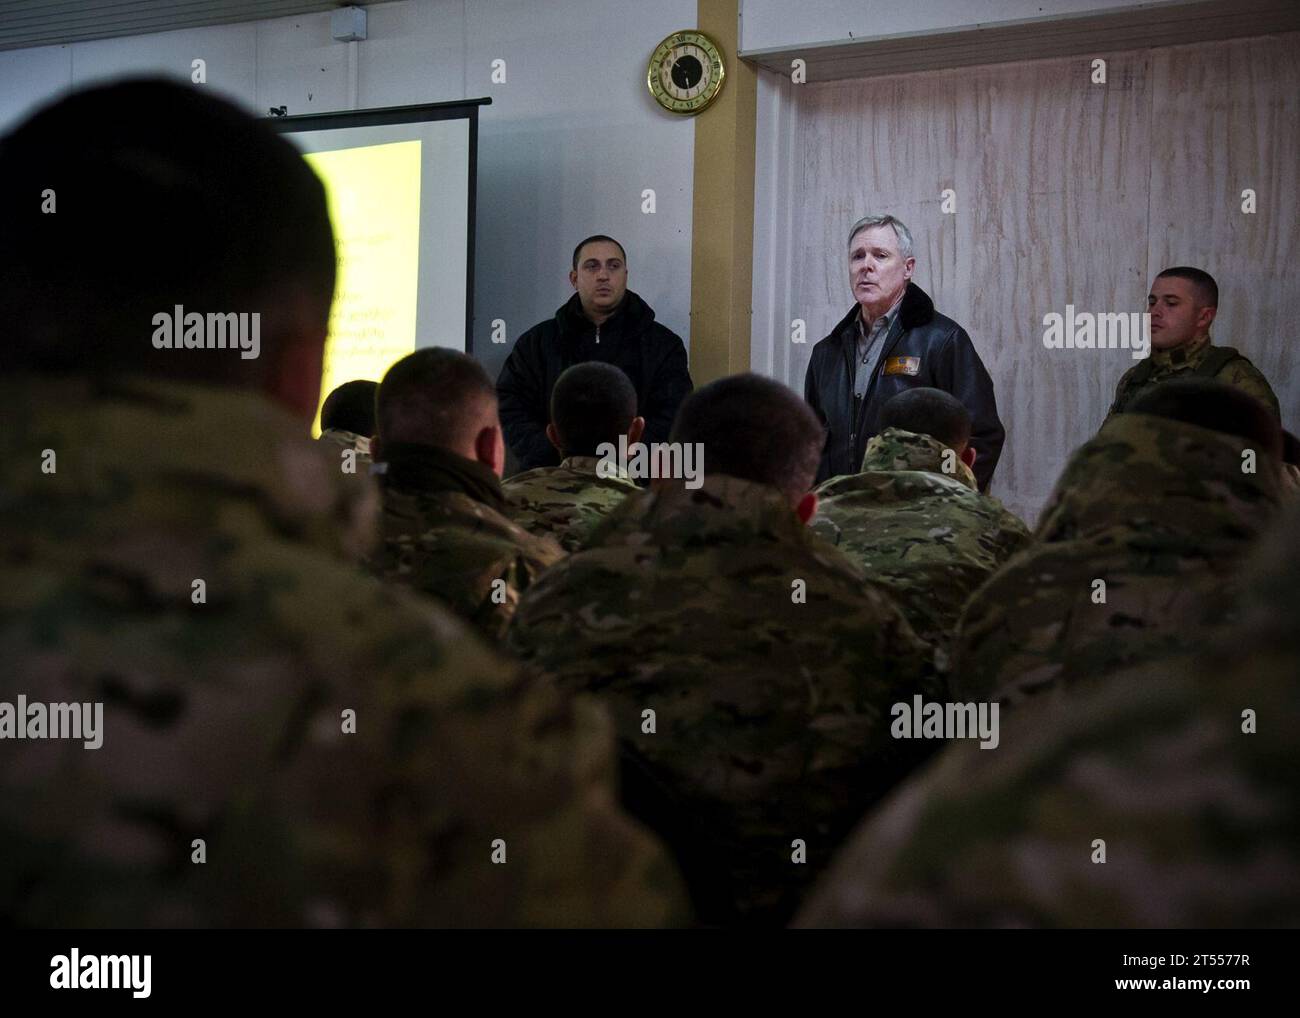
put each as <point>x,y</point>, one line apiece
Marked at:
<point>1121,391</point>
<point>1242,374</point>
<point>1138,804</point>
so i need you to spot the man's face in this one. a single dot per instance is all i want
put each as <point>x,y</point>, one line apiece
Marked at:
<point>1176,313</point>
<point>601,276</point>
<point>878,273</point>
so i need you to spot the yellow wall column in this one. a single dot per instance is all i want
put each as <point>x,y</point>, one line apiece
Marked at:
<point>722,242</point>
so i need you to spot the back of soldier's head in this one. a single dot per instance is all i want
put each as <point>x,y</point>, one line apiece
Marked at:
<point>592,403</point>
<point>1213,405</point>
<point>435,397</point>
<point>932,412</point>
<point>351,407</point>
<point>753,428</point>
<point>128,200</point>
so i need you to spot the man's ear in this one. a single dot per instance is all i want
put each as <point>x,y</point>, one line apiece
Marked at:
<point>573,279</point>
<point>635,430</point>
<point>490,449</point>
<point>807,507</point>
<point>1204,317</point>
<point>553,437</point>
<point>294,379</point>
<point>967,456</point>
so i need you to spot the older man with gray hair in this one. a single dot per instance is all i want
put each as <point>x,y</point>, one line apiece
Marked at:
<point>893,340</point>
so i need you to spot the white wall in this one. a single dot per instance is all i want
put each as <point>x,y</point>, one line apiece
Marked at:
<point>570,141</point>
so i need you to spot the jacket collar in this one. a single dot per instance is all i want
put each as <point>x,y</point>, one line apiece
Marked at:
<point>133,431</point>
<point>1187,355</point>
<point>1146,477</point>
<point>429,470</point>
<point>917,309</point>
<point>631,316</point>
<point>723,509</point>
<point>895,449</point>
<point>588,466</point>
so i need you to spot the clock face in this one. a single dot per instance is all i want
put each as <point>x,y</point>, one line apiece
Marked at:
<point>685,72</point>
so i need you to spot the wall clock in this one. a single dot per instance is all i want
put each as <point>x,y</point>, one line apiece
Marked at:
<point>685,72</point>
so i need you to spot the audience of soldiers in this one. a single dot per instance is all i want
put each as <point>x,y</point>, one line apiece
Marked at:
<point>414,694</point>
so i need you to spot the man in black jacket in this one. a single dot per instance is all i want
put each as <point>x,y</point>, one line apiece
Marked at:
<point>891,341</point>
<point>602,321</point>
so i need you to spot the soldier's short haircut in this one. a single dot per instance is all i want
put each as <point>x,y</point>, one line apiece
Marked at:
<point>591,403</point>
<point>156,194</point>
<point>926,411</point>
<point>434,396</point>
<point>753,428</point>
<point>351,407</point>
<point>904,235</point>
<point>594,238</point>
<point>1207,290</point>
<point>1213,405</point>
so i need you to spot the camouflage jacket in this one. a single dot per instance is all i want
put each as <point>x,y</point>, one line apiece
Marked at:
<point>443,533</point>
<point>349,440</point>
<point>750,670</point>
<point>567,501</point>
<point>1185,774</point>
<point>926,534</point>
<point>1184,361</point>
<point>197,592</point>
<point>1132,560</point>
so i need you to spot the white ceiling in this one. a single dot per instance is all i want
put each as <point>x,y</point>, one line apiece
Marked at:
<point>26,23</point>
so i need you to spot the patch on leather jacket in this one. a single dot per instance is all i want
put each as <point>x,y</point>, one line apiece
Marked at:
<point>902,366</point>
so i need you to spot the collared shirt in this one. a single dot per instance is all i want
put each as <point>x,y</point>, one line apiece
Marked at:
<point>870,345</point>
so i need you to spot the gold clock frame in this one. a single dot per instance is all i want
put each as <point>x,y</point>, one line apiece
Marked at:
<point>704,41</point>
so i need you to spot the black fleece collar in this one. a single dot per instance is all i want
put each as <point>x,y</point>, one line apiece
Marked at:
<point>917,309</point>
<point>428,470</point>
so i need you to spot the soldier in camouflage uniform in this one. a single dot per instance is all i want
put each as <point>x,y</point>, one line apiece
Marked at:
<point>1182,303</point>
<point>1134,553</point>
<point>285,741</point>
<point>444,531</point>
<point>749,667</point>
<point>592,405</point>
<point>914,518</point>
<point>1182,772</point>
<point>347,421</point>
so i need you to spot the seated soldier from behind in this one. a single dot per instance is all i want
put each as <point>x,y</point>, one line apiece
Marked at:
<point>1183,303</point>
<point>1136,550</point>
<point>749,667</point>
<point>443,530</point>
<point>914,518</point>
<point>347,418</point>
<point>1163,763</point>
<point>346,752</point>
<point>592,404</point>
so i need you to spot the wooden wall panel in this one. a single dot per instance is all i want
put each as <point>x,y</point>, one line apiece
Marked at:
<point>1068,192</point>
<point>1226,117</point>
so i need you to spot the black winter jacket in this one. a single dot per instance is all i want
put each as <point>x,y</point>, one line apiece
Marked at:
<point>653,357</point>
<point>939,354</point>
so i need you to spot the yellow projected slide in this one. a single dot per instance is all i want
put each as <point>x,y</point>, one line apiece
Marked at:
<point>374,203</point>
